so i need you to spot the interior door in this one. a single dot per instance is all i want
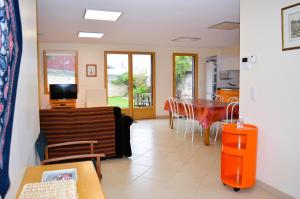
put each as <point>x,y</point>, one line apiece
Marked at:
<point>130,83</point>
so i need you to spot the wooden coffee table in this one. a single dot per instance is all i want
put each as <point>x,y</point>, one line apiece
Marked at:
<point>88,184</point>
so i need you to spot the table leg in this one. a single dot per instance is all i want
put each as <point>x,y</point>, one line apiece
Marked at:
<point>206,136</point>
<point>170,120</point>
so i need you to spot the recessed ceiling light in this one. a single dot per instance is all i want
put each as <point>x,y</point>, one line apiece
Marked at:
<point>186,39</point>
<point>226,25</point>
<point>102,15</point>
<point>90,35</point>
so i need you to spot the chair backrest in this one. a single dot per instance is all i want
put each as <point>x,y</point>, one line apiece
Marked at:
<point>218,98</point>
<point>232,99</point>
<point>232,106</point>
<point>41,144</point>
<point>171,102</point>
<point>95,98</point>
<point>186,97</point>
<point>189,109</point>
<point>178,103</point>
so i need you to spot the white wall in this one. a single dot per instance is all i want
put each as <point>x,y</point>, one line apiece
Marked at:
<point>26,118</point>
<point>94,54</point>
<point>229,58</point>
<point>276,107</point>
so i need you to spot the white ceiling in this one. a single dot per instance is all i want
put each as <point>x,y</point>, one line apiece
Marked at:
<point>143,22</point>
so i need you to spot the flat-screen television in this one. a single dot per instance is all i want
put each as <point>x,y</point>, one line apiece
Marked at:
<point>63,91</point>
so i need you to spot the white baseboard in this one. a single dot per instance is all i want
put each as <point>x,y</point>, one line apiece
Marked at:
<point>162,117</point>
<point>274,190</point>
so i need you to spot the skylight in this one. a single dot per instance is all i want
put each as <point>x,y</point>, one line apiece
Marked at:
<point>90,35</point>
<point>102,15</point>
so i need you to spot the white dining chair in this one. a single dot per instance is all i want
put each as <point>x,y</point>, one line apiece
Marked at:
<point>190,118</point>
<point>186,97</point>
<point>218,98</point>
<point>232,99</point>
<point>174,106</point>
<point>230,110</point>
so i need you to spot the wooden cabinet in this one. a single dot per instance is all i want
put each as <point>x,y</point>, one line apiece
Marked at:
<point>70,103</point>
<point>227,93</point>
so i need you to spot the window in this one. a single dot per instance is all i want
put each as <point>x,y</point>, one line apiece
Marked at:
<point>185,75</point>
<point>60,67</point>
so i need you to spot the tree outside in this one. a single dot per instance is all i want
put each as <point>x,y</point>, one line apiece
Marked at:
<point>184,70</point>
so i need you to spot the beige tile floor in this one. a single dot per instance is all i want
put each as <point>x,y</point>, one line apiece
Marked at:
<point>168,166</point>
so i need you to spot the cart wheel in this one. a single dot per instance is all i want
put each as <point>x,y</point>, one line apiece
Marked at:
<point>236,189</point>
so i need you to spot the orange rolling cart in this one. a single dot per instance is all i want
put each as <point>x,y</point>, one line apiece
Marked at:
<point>238,161</point>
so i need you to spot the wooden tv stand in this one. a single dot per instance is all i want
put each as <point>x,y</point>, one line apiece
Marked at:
<point>64,103</point>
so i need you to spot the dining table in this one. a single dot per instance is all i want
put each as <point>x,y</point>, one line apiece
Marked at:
<point>206,112</point>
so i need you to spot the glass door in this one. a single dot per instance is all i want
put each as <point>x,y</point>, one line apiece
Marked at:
<point>143,84</point>
<point>118,81</point>
<point>130,83</point>
<point>185,77</point>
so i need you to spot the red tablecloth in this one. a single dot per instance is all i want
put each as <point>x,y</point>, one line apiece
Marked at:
<point>206,111</point>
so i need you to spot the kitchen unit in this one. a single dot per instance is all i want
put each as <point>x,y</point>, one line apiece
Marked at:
<point>226,93</point>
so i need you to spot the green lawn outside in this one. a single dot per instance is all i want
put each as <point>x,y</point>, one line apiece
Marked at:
<point>121,102</point>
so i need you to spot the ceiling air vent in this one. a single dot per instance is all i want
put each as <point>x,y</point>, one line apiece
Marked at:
<point>186,39</point>
<point>226,25</point>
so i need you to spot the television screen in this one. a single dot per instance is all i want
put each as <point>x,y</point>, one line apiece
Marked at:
<point>63,91</point>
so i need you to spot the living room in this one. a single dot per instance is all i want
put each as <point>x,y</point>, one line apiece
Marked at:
<point>166,162</point>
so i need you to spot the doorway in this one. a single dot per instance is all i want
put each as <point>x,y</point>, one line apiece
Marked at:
<point>130,82</point>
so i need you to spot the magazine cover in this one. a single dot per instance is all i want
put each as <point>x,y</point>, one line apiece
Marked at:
<point>65,174</point>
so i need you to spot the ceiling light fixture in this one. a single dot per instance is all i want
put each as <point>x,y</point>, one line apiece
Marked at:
<point>226,25</point>
<point>97,35</point>
<point>102,15</point>
<point>186,39</point>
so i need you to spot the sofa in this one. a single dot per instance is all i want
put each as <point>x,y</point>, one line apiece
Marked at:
<point>104,124</point>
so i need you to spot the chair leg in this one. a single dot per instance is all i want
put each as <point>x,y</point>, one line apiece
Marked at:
<point>211,129</point>
<point>217,131</point>
<point>171,122</point>
<point>186,125</point>
<point>177,121</point>
<point>193,130</point>
<point>201,130</point>
<point>98,168</point>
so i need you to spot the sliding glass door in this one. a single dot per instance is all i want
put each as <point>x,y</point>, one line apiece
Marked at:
<point>130,82</point>
<point>185,77</point>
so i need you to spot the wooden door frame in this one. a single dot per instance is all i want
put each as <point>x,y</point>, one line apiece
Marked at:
<point>195,56</point>
<point>139,113</point>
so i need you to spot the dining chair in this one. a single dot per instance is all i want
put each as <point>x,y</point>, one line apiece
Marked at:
<point>180,114</point>
<point>189,110</point>
<point>186,97</point>
<point>232,99</point>
<point>218,98</point>
<point>174,106</point>
<point>230,112</point>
